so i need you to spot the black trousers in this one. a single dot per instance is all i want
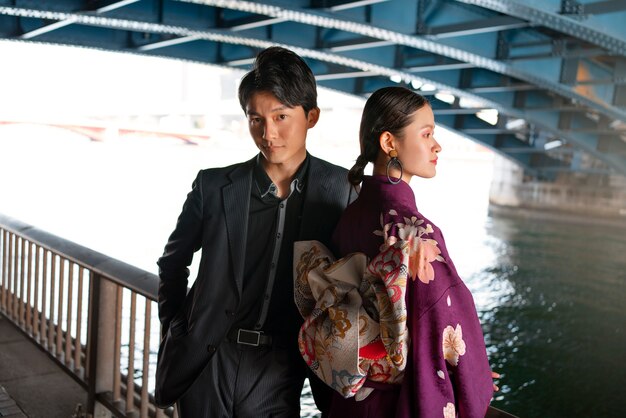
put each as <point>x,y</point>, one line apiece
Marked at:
<point>247,382</point>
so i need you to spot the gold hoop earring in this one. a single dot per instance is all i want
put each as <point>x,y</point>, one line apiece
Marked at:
<point>394,161</point>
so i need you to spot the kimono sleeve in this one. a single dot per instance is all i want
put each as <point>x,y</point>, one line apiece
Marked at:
<point>449,372</point>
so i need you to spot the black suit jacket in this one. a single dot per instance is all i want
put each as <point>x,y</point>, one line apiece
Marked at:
<point>215,219</point>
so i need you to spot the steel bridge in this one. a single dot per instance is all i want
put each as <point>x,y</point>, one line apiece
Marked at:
<point>542,82</point>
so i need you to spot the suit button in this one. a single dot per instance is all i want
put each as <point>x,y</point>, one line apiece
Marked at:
<point>230,312</point>
<point>210,349</point>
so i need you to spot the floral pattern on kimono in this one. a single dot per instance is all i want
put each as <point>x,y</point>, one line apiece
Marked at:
<point>413,233</point>
<point>355,315</point>
<point>446,372</point>
<point>355,310</point>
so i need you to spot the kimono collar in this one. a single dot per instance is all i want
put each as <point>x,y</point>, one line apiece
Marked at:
<point>377,188</point>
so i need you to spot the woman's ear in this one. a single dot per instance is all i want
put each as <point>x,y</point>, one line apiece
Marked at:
<point>312,117</point>
<point>387,142</point>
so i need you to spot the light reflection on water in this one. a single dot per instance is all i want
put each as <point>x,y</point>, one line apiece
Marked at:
<point>557,332</point>
<point>551,302</point>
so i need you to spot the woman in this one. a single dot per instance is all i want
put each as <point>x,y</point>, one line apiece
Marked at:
<point>390,325</point>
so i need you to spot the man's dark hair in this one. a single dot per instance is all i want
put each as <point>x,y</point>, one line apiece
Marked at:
<point>283,73</point>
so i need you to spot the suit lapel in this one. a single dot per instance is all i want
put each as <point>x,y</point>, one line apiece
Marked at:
<point>316,191</point>
<point>236,198</point>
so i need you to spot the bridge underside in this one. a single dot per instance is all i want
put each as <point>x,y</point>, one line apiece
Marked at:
<point>543,83</point>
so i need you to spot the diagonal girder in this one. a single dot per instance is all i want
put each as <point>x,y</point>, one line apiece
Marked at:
<point>552,19</point>
<point>571,91</point>
<point>330,21</point>
<point>355,70</point>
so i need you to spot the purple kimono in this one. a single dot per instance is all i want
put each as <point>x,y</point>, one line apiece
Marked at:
<point>429,358</point>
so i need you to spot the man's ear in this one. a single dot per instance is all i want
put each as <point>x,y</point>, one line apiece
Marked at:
<point>387,142</point>
<point>312,117</point>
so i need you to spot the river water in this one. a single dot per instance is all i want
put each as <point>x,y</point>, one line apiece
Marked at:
<point>551,296</point>
<point>558,330</point>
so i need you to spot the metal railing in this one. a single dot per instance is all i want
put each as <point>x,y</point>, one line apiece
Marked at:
<point>92,314</point>
<point>104,344</point>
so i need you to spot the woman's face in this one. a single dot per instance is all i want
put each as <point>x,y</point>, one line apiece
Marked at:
<point>417,147</point>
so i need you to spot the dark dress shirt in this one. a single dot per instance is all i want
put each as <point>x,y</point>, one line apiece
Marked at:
<point>273,226</point>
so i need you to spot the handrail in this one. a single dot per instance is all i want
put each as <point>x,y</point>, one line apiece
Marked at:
<point>42,288</point>
<point>127,275</point>
<point>90,312</point>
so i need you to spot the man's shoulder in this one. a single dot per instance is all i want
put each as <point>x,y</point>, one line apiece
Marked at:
<point>225,171</point>
<point>331,180</point>
<point>332,169</point>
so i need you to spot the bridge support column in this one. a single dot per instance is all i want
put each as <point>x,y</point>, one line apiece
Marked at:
<point>582,196</point>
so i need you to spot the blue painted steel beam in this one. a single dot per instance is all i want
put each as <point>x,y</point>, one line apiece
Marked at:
<point>548,14</point>
<point>473,27</point>
<point>343,26</point>
<point>452,50</point>
<point>602,7</point>
<point>358,46</point>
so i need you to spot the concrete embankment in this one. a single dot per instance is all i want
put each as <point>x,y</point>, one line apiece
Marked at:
<point>569,197</point>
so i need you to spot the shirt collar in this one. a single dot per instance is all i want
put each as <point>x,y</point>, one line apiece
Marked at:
<point>265,185</point>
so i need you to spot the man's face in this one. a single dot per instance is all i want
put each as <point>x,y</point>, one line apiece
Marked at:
<point>279,131</point>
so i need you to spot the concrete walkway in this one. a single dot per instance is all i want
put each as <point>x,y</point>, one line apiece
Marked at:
<point>8,407</point>
<point>35,384</point>
<point>36,387</point>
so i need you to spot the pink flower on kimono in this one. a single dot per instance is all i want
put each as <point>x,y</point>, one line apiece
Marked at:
<point>422,252</point>
<point>449,411</point>
<point>453,344</point>
<point>409,232</point>
<point>388,240</point>
<point>420,261</point>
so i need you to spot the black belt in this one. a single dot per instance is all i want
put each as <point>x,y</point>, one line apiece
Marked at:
<point>249,337</point>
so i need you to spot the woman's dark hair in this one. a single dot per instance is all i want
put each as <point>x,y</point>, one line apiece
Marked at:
<point>387,109</point>
<point>284,74</point>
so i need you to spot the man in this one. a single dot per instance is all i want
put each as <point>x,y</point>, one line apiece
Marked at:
<point>230,344</point>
